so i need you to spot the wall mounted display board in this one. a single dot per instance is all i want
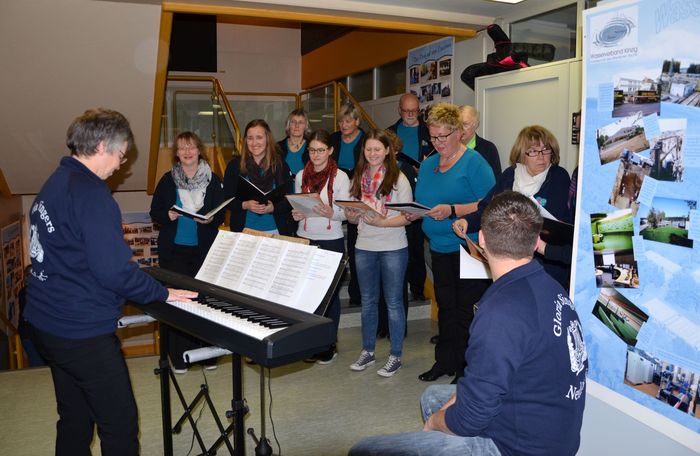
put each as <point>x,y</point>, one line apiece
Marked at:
<point>13,278</point>
<point>430,72</point>
<point>637,266</point>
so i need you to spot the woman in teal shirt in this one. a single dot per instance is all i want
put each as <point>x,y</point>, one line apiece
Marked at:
<point>451,182</point>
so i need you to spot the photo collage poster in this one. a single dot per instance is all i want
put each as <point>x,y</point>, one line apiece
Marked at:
<point>12,270</point>
<point>142,236</point>
<point>637,266</point>
<point>430,73</point>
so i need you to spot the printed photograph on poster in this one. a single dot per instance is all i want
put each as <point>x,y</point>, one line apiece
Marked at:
<point>12,270</point>
<point>445,66</point>
<point>666,152</point>
<point>624,134</point>
<point>613,254</point>
<point>414,74</point>
<point>630,176</point>
<point>680,82</point>
<point>667,221</point>
<point>619,314</point>
<point>446,91</point>
<point>671,384</point>
<point>636,93</point>
<point>141,234</point>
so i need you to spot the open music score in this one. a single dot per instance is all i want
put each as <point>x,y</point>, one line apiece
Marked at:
<point>287,273</point>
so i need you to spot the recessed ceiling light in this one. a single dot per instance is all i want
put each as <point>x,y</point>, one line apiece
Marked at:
<point>507,1</point>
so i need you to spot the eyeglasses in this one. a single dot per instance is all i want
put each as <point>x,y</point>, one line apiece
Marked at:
<point>186,147</point>
<point>535,152</point>
<point>441,138</point>
<point>297,122</point>
<point>122,157</point>
<point>318,151</point>
<point>408,111</point>
<point>467,125</point>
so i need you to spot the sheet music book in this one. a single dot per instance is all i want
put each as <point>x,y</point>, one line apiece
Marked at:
<point>287,273</point>
<point>411,208</point>
<point>305,203</point>
<point>207,216</point>
<point>554,231</point>
<point>357,205</point>
<point>249,191</point>
<point>407,159</point>
<point>471,267</point>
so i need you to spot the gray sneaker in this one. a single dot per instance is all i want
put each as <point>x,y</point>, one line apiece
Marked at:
<point>393,364</point>
<point>365,360</point>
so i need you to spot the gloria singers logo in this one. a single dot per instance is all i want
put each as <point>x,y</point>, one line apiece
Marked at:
<point>614,31</point>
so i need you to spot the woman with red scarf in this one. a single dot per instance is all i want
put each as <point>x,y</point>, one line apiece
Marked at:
<point>381,251</point>
<point>324,229</point>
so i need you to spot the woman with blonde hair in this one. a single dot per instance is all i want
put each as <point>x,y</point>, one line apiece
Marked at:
<point>294,147</point>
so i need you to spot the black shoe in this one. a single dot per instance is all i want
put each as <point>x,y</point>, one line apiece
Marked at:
<point>434,339</point>
<point>433,374</point>
<point>354,304</point>
<point>454,380</point>
<point>418,296</point>
<point>382,333</point>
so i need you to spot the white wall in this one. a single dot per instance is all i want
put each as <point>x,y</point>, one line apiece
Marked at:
<point>61,58</point>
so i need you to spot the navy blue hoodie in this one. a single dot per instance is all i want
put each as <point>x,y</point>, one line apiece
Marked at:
<point>524,384</point>
<point>81,267</point>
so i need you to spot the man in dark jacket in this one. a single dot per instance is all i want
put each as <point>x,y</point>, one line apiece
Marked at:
<point>523,390</point>
<point>487,149</point>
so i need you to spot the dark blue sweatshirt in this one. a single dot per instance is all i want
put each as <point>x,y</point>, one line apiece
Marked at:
<point>524,384</point>
<point>81,267</point>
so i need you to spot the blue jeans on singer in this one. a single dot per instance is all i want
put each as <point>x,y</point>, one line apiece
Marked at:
<point>432,443</point>
<point>385,268</point>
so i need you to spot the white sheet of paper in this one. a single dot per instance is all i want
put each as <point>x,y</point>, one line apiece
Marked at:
<point>471,268</point>
<point>319,277</point>
<point>544,212</point>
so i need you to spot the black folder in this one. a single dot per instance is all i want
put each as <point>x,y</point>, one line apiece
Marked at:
<point>406,159</point>
<point>557,232</point>
<point>248,191</point>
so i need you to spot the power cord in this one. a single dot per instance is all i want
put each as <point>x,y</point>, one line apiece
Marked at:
<point>272,422</point>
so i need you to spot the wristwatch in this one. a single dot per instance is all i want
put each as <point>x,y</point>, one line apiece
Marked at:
<point>453,213</point>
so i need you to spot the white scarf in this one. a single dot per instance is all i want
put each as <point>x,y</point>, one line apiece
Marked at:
<point>525,183</point>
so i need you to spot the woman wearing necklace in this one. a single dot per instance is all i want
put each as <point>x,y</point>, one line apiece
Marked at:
<point>293,147</point>
<point>535,172</point>
<point>321,175</point>
<point>259,163</point>
<point>183,242</point>
<point>450,182</point>
<point>382,248</point>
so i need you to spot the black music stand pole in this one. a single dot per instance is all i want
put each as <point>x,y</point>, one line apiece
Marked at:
<point>238,405</point>
<point>163,371</point>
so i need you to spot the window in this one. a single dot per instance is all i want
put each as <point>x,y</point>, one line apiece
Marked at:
<point>391,79</point>
<point>556,28</point>
<point>361,85</point>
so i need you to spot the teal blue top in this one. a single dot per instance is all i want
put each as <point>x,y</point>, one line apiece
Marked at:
<point>293,159</point>
<point>411,142</point>
<point>260,222</point>
<point>186,233</point>
<point>469,180</point>
<point>347,153</point>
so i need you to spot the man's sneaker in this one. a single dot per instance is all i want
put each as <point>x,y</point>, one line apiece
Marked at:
<point>179,371</point>
<point>327,356</point>
<point>365,360</point>
<point>392,365</point>
<point>210,367</point>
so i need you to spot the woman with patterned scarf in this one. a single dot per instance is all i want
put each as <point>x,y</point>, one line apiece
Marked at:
<point>260,163</point>
<point>321,175</point>
<point>381,252</point>
<point>183,242</point>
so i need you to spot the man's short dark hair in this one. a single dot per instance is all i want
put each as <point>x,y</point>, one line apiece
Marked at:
<point>511,224</point>
<point>95,126</point>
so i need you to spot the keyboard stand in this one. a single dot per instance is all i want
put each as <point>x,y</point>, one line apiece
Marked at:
<point>237,414</point>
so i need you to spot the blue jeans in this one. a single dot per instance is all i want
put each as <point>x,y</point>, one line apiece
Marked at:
<point>431,443</point>
<point>387,268</point>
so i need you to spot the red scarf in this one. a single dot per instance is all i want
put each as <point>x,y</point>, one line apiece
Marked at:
<point>313,181</point>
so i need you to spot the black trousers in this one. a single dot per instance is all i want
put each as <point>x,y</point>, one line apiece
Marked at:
<point>455,300</point>
<point>415,273</point>
<point>185,260</point>
<point>92,386</point>
<point>353,286</point>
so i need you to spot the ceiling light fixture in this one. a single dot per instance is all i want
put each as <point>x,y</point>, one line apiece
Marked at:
<point>507,1</point>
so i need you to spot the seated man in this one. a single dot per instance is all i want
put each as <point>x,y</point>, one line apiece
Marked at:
<point>523,390</point>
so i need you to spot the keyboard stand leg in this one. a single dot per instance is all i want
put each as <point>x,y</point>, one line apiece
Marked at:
<point>163,370</point>
<point>239,408</point>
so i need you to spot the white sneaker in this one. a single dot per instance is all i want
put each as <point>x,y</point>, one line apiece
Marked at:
<point>210,367</point>
<point>179,371</point>
<point>365,360</point>
<point>392,365</point>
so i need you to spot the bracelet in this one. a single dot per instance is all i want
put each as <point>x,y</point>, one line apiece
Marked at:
<point>453,214</point>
